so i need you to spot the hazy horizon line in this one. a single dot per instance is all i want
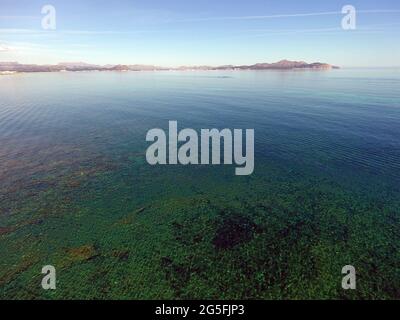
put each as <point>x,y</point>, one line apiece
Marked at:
<point>197,65</point>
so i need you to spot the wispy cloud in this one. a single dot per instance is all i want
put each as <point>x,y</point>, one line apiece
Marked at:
<point>20,46</point>
<point>293,15</point>
<point>4,48</point>
<point>19,31</point>
<point>29,50</point>
<point>8,31</point>
<point>19,17</point>
<point>371,27</point>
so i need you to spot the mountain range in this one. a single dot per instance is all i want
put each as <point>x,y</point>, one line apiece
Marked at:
<point>6,67</point>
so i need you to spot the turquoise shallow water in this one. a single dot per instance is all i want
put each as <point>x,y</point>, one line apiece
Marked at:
<point>345,119</point>
<point>72,158</point>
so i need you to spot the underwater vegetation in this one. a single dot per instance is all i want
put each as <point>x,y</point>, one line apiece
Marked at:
<point>265,237</point>
<point>77,193</point>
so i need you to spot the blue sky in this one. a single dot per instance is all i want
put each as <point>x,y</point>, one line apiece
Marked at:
<point>187,32</point>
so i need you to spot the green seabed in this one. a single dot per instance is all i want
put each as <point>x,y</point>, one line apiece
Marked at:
<point>131,231</point>
<point>76,191</point>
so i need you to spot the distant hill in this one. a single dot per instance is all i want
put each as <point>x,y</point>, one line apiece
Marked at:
<point>82,66</point>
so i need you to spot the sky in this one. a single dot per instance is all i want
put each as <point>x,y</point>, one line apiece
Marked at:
<point>201,32</point>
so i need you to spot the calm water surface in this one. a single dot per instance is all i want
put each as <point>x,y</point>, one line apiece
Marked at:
<point>73,145</point>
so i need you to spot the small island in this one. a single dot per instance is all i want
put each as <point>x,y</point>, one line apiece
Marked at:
<point>15,67</point>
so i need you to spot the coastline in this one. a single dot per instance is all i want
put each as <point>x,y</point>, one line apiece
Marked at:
<point>9,73</point>
<point>15,67</point>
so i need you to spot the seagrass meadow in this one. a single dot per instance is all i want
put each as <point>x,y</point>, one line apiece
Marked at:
<point>77,193</point>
